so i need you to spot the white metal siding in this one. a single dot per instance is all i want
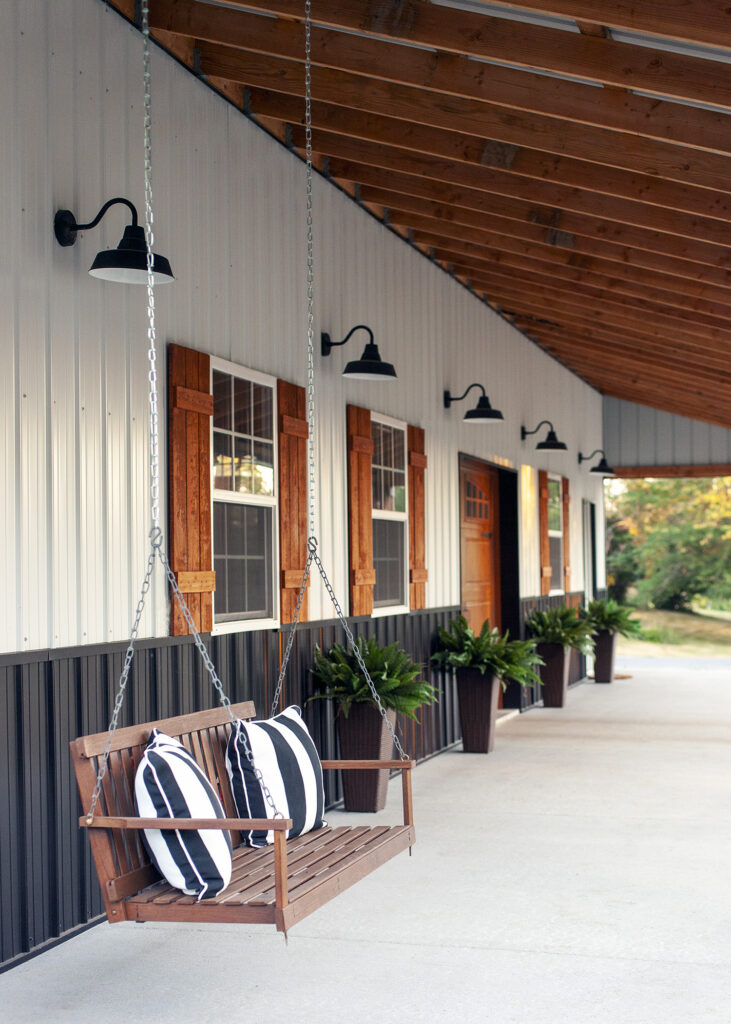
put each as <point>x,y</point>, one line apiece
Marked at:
<point>229,213</point>
<point>636,435</point>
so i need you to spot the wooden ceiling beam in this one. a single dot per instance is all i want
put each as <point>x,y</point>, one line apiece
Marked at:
<point>564,307</point>
<point>528,144</point>
<point>707,22</point>
<point>673,235</point>
<point>452,74</point>
<point>529,46</point>
<point>417,180</point>
<point>695,470</point>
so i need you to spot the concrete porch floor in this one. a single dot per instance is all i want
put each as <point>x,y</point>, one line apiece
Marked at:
<point>579,873</point>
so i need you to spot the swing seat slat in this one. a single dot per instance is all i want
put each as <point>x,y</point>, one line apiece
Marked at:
<point>279,884</point>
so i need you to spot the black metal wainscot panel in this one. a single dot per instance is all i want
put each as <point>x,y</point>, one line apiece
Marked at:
<point>518,697</point>
<point>48,698</point>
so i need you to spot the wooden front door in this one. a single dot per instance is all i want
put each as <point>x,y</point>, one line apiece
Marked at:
<point>480,542</point>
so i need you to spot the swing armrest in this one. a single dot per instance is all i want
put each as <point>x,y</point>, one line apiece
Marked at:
<point>403,766</point>
<point>355,765</point>
<point>190,824</point>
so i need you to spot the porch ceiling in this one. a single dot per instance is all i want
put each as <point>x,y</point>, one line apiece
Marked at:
<point>567,159</point>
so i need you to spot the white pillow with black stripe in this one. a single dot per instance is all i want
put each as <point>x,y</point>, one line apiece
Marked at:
<point>287,758</point>
<point>170,784</point>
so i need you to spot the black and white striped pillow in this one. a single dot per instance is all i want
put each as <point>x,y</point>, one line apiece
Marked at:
<point>169,784</point>
<point>290,766</point>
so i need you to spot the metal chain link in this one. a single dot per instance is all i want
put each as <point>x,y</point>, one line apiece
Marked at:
<point>156,535</point>
<point>312,555</point>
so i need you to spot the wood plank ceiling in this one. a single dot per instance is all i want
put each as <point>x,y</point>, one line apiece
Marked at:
<point>568,160</point>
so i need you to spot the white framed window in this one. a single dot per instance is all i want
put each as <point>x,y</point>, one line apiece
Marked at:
<point>244,498</point>
<point>390,505</point>
<point>555,533</point>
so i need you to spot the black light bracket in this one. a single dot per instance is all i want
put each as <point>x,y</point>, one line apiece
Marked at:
<point>327,344</point>
<point>598,451</point>
<point>449,397</point>
<point>526,433</point>
<point>66,228</point>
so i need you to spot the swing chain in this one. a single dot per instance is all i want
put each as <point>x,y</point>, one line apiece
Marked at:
<point>290,638</point>
<point>156,534</point>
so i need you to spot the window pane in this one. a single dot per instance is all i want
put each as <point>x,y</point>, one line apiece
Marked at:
<point>377,477</point>
<point>554,505</point>
<point>388,561</point>
<point>263,416</point>
<point>399,456</point>
<point>376,438</point>
<point>556,553</point>
<point>399,492</point>
<point>386,446</point>
<point>242,406</point>
<point>221,400</point>
<point>387,475</point>
<point>222,467</point>
<point>242,542</point>
<point>242,465</point>
<point>262,479</point>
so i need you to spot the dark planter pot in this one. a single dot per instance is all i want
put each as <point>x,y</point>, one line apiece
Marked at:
<point>605,648</point>
<point>554,674</point>
<point>364,736</point>
<point>478,697</point>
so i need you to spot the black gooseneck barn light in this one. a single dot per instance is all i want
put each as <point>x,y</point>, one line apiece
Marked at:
<point>602,467</point>
<point>483,412</point>
<point>127,264</point>
<point>550,444</point>
<point>370,366</point>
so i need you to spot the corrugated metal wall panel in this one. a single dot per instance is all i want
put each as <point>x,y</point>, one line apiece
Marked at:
<point>636,435</point>
<point>229,212</point>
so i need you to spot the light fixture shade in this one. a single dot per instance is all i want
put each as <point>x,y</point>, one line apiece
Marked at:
<point>483,412</point>
<point>602,468</point>
<point>127,264</point>
<point>551,443</point>
<point>370,366</point>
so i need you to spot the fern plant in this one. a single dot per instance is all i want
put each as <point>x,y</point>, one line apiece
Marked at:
<point>396,677</point>
<point>561,625</point>
<point>488,651</point>
<point>611,617</point>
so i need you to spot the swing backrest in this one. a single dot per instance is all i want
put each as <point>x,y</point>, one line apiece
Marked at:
<point>120,855</point>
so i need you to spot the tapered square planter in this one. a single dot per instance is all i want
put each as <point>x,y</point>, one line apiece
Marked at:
<point>478,696</point>
<point>554,674</point>
<point>364,736</point>
<point>605,648</point>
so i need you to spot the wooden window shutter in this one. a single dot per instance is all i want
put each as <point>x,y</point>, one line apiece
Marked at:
<point>293,433</point>
<point>418,574</point>
<point>545,548</point>
<point>190,407</point>
<point>566,534</point>
<point>360,508</point>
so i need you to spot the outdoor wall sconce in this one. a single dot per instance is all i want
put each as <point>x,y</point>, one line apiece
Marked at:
<point>370,366</point>
<point>483,412</point>
<point>127,264</point>
<point>551,442</point>
<point>602,467</point>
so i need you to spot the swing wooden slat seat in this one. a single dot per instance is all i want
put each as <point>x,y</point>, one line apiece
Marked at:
<point>280,884</point>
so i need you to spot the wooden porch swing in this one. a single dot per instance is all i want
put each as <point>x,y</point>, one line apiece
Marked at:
<point>279,884</point>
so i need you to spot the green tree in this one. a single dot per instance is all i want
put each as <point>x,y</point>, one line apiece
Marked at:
<point>678,535</point>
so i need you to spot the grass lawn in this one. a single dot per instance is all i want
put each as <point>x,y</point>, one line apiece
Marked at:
<point>681,635</point>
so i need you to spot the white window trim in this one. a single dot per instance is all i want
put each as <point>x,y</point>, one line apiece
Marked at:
<point>270,501</point>
<point>401,517</point>
<point>558,533</point>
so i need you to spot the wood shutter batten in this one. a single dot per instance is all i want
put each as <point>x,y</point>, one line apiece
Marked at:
<point>360,510</point>
<point>417,463</point>
<point>545,548</point>
<point>566,506</point>
<point>293,433</point>
<point>190,406</point>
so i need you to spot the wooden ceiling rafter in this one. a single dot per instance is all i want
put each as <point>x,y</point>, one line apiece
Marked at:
<point>465,33</point>
<point>594,219</point>
<point>452,74</point>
